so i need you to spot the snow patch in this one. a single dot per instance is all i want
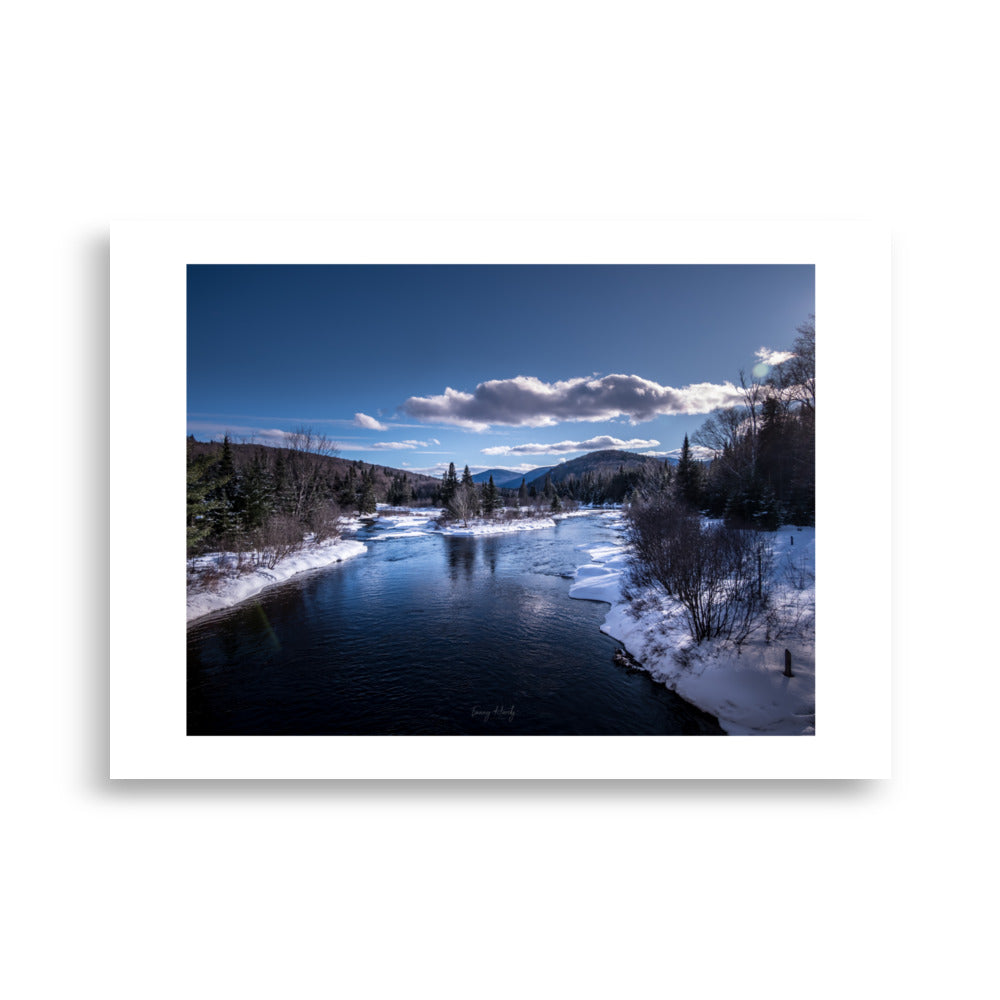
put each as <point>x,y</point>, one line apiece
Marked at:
<point>746,690</point>
<point>235,587</point>
<point>498,527</point>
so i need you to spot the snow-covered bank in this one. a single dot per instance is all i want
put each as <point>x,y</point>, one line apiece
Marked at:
<point>746,690</point>
<point>405,522</point>
<point>233,586</point>
<point>498,527</point>
<point>400,522</point>
<point>502,525</point>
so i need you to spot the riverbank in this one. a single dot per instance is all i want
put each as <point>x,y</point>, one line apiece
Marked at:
<point>232,586</point>
<point>402,522</point>
<point>746,690</point>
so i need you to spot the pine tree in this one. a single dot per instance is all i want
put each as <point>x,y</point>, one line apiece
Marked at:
<point>492,501</point>
<point>221,515</point>
<point>366,495</point>
<point>201,508</point>
<point>687,476</point>
<point>256,497</point>
<point>449,485</point>
<point>522,493</point>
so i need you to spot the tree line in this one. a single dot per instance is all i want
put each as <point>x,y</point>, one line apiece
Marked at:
<point>463,499</point>
<point>264,500</point>
<point>762,475</point>
<point>764,468</point>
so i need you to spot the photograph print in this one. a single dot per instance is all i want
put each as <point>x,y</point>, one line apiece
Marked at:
<point>501,500</point>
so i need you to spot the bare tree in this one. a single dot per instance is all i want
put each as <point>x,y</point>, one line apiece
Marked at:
<point>722,430</point>
<point>464,504</point>
<point>720,576</point>
<point>795,379</point>
<point>277,539</point>
<point>305,439</point>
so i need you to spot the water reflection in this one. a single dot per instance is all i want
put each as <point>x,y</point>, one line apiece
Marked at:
<point>461,555</point>
<point>384,644</point>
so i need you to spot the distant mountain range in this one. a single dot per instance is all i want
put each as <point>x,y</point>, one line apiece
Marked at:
<point>597,463</point>
<point>507,479</point>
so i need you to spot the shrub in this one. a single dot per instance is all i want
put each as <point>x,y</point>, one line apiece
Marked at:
<point>280,537</point>
<point>324,521</point>
<point>718,574</point>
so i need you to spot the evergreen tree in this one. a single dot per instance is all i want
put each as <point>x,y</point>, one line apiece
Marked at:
<point>201,507</point>
<point>491,501</point>
<point>687,476</point>
<point>449,485</point>
<point>224,516</point>
<point>366,495</point>
<point>522,493</point>
<point>256,498</point>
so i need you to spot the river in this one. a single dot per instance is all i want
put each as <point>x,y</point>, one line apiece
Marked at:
<point>429,634</point>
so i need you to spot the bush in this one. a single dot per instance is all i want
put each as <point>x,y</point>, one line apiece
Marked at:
<point>324,521</point>
<point>280,537</point>
<point>719,575</point>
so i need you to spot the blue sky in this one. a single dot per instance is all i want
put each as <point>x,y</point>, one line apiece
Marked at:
<point>508,366</point>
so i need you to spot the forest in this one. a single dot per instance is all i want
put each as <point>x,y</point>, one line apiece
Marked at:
<point>249,498</point>
<point>245,497</point>
<point>700,534</point>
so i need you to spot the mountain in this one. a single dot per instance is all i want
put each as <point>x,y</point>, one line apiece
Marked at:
<point>507,479</point>
<point>329,465</point>
<point>500,476</point>
<point>597,463</point>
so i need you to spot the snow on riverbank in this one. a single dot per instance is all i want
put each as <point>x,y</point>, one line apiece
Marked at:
<point>230,586</point>
<point>501,525</point>
<point>405,522</point>
<point>400,522</point>
<point>234,586</point>
<point>498,527</point>
<point>746,690</point>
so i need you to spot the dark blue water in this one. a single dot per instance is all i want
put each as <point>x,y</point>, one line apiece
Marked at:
<point>429,635</point>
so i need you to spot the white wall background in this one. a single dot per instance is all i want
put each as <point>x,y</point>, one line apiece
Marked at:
<point>209,110</point>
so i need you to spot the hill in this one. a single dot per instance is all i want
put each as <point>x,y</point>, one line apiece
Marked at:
<point>332,466</point>
<point>500,476</point>
<point>508,479</point>
<point>597,465</point>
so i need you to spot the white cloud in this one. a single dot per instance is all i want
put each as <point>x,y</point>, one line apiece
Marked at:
<point>526,401</point>
<point>437,470</point>
<point>363,420</point>
<point>771,358</point>
<point>564,447</point>
<point>269,436</point>
<point>698,453</point>
<point>387,445</point>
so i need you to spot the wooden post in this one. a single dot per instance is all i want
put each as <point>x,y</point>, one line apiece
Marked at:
<point>788,663</point>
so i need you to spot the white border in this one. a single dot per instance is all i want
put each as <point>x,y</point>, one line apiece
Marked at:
<point>853,672</point>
